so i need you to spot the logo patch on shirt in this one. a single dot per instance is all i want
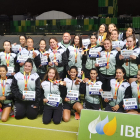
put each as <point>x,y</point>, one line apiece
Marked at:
<point>32,79</point>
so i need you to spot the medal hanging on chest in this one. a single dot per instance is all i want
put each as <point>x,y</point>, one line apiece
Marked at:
<point>54,52</point>
<point>3,86</point>
<point>76,53</point>
<point>107,57</point>
<point>116,89</point>
<point>138,93</point>
<point>7,59</point>
<point>33,54</point>
<point>26,81</point>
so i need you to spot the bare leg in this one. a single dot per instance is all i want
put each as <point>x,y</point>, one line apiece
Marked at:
<point>78,107</point>
<point>5,114</point>
<point>66,115</point>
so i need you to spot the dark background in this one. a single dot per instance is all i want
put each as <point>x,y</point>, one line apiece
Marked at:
<point>72,7</point>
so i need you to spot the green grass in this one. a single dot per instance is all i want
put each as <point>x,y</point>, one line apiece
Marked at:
<point>26,129</point>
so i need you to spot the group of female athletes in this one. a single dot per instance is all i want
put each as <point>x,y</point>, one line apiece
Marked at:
<point>51,81</point>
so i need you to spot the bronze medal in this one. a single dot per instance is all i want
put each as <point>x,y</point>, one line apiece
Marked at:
<point>115,97</point>
<point>75,60</point>
<point>107,66</point>
<point>26,89</point>
<point>126,62</point>
<point>61,83</point>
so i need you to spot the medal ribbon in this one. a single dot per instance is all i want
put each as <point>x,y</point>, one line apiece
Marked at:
<point>7,60</point>
<point>90,48</point>
<point>26,81</point>
<point>76,52</point>
<point>138,86</point>
<point>3,86</point>
<point>117,87</point>
<point>93,82</point>
<point>55,51</point>
<point>108,57</point>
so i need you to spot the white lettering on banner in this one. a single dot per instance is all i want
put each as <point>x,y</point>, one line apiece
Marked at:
<point>130,132</point>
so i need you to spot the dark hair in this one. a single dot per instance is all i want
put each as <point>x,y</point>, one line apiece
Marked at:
<point>134,39</point>
<point>94,70</point>
<point>6,41</point>
<point>42,40</point>
<point>30,38</point>
<point>4,66</point>
<point>23,36</point>
<point>73,67</point>
<point>54,38</point>
<point>104,26</point>
<point>29,60</point>
<point>116,30</point>
<point>123,70</point>
<point>94,34</point>
<point>56,74</point>
<point>80,40</point>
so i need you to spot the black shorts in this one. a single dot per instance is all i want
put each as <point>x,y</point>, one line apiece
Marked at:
<point>6,105</point>
<point>88,105</point>
<point>68,105</point>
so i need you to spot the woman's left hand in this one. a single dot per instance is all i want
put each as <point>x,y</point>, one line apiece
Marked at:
<point>115,108</point>
<point>2,98</point>
<point>56,63</point>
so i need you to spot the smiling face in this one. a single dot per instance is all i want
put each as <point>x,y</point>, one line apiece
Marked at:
<point>3,72</point>
<point>7,46</point>
<point>66,38</point>
<point>129,32</point>
<point>102,29</point>
<point>107,45</point>
<point>93,40</point>
<point>22,40</point>
<point>28,67</point>
<point>51,74</point>
<point>76,40</point>
<point>93,74</point>
<point>53,43</point>
<point>130,42</point>
<point>42,45</point>
<point>114,35</point>
<point>119,74</point>
<point>30,43</point>
<point>111,27</point>
<point>73,73</point>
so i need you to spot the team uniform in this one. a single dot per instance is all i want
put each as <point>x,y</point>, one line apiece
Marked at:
<point>25,107</point>
<point>29,54</point>
<point>74,56</point>
<point>107,73</point>
<point>58,55</point>
<point>101,38</point>
<point>8,101</point>
<point>44,62</point>
<point>64,46</point>
<point>52,109</point>
<point>9,59</point>
<point>70,85</point>
<point>131,65</point>
<point>90,60</point>
<point>122,90</point>
<point>136,93</point>
<point>91,101</point>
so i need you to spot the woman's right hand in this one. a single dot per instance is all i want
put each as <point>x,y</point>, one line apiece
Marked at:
<point>23,97</point>
<point>106,100</point>
<point>45,100</point>
<point>66,99</point>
